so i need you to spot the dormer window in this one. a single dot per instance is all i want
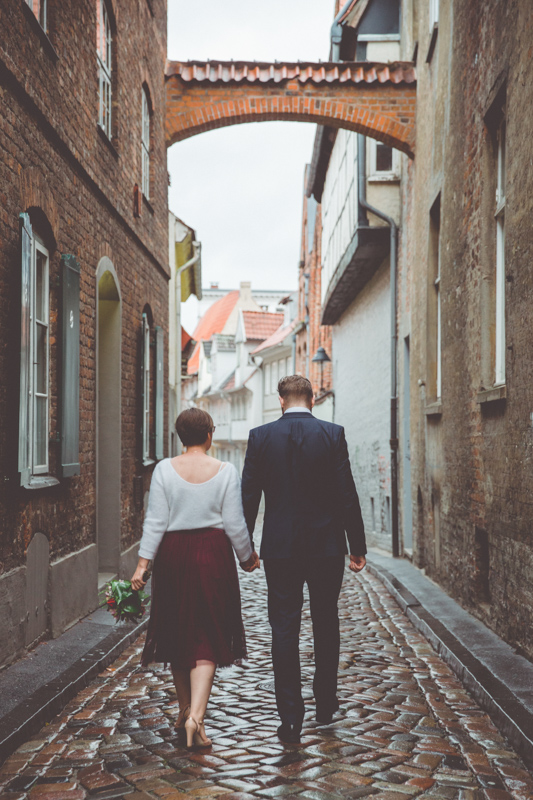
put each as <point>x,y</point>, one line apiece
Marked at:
<point>104,41</point>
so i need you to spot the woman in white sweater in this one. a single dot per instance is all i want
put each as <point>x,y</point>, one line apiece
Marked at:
<point>194,517</point>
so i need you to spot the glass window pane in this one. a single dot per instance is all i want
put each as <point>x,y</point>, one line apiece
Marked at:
<point>41,432</point>
<point>40,288</point>
<point>383,158</point>
<point>40,359</point>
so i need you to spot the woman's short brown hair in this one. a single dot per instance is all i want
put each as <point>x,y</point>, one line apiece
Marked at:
<point>193,426</point>
<point>295,386</point>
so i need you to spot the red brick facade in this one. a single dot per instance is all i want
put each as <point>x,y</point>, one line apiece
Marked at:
<point>78,187</point>
<point>317,335</point>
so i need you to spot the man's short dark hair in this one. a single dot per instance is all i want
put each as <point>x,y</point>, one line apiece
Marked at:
<point>295,387</point>
<point>193,426</point>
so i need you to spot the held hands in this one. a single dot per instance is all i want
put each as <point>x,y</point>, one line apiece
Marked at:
<point>251,564</point>
<point>357,563</point>
<point>137,581</point>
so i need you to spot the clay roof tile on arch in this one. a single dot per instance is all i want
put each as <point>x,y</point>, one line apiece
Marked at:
<point>302,71</point>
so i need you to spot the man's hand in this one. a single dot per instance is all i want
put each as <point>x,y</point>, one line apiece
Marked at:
<point>357,563</point>
<point>252,563</point>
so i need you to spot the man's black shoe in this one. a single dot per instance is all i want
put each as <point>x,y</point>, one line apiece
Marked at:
<point>290,734</point>
<point>324,714</point>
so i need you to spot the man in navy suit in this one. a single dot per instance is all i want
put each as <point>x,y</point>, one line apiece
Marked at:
<point>301,464</point>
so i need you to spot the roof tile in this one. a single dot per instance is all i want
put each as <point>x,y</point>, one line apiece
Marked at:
<point>259,325</point>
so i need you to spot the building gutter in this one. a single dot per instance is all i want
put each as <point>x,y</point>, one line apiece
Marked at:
<point>197,247</point>
<point>364,206</point>
<point>336,31</point>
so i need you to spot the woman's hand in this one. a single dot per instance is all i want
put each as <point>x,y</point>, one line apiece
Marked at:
<point>252,563</point>
<point>137,581</point>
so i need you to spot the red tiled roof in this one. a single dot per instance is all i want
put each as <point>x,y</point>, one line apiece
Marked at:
<point>277,337</point>
<point>213,321</point>
<point>303,71</point>
<point>260,325</point>
<point>230,383</point>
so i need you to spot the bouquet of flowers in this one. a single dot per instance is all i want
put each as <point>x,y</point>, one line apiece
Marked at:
<point>125,604</point>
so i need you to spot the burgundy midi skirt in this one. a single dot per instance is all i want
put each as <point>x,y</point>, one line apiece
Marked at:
<point>195,612</point>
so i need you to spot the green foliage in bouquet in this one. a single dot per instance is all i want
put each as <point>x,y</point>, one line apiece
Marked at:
<point>126,604</point>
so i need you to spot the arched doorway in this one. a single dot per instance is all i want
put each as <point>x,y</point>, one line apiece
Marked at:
<point>108,382</point>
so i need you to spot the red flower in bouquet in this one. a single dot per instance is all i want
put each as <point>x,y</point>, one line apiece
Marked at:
<point>126,604</point>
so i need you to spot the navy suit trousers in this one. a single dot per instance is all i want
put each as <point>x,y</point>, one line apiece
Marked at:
<point>286,578</point>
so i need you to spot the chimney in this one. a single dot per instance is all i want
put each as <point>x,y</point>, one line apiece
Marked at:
<point>246,290</point>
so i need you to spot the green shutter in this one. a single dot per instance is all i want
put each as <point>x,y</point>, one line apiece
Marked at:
<point>70,367</point>
<point>159,393</point>
<point>25,400</point>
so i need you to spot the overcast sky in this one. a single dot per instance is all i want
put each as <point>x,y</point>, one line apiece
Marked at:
<point>241,187</point>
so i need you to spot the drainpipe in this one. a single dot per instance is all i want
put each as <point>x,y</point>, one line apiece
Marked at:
<point>306,300</point>
<point>197,247</point>
<point>336,32</point>
<point>363,204</point>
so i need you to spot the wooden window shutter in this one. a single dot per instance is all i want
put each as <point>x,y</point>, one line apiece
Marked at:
<point>70,367</point>
<point>159,393</point>
<point>25,400</point>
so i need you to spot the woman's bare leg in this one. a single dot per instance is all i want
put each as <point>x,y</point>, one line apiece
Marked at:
<point>182,682</point>
<point>201,682</point>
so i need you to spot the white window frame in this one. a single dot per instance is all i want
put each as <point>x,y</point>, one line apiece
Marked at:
<point>439,328</point>
<point>376,175</point>
<point>38,247</point>
<point>433,14</point>
<point>145,144</point>
<point>274,378</point>
<point>267,379</point>
<point>104,52</point>
<point>499,214</point>
<point>146,391</point>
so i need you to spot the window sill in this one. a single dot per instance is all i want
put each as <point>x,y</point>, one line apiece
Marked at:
<point>47,45</point>
<point>433,409</point>
<point>104,137</point>
<point>496,394</point>
<point>432,42</point>
<point>147,462</point>
<point>41,482</point>
<point>389,177</point>
<point>148,205</point>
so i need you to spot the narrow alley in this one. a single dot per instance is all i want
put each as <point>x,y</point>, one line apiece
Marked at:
<point>406,727</point>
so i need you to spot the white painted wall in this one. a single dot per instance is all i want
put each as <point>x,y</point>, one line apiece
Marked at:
<point>361,375</point>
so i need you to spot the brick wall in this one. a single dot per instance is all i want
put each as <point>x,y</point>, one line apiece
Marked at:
<point>472,463</point>
<point>53,158</point>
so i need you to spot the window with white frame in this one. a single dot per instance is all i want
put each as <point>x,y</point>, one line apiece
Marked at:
<point>267,379</point>
<point>434,306</point>
<point>433,14</point>
<point>146,389</point>
<point>384,161</point>
<point>34,409</point>
<point>499,376</point>
<point>104,41</point>
<point>41,357</point>
<point>39,9</point>
<point>145,144</point>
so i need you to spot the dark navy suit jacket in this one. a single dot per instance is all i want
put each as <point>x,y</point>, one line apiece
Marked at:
<point>301,464</point>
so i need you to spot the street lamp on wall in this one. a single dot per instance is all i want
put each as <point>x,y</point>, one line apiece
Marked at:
<point>321,357</point>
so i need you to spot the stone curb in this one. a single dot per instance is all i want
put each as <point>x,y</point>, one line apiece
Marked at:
<point>513,720</point>
<point>48,700</point>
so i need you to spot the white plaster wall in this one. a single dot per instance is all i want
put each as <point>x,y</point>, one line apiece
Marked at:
<point>361,364</point>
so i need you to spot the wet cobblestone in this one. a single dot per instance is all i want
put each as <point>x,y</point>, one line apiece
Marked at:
<point>406,727</point>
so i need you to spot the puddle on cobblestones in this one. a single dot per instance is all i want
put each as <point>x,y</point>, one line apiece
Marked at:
<point>406,727</point>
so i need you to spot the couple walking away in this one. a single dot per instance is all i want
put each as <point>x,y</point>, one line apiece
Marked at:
<point>196,513</point>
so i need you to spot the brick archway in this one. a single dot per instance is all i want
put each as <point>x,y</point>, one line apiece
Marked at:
<point>378,100</point>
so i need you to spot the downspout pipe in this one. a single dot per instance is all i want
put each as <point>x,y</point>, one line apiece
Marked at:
<point>197,247</point>
<point>336,32</point>
<point>364,205</point>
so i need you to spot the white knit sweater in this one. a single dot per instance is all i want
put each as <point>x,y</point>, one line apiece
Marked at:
<point>177,505</point>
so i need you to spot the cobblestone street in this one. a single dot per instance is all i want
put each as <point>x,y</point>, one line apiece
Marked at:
<point>406,727</point>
